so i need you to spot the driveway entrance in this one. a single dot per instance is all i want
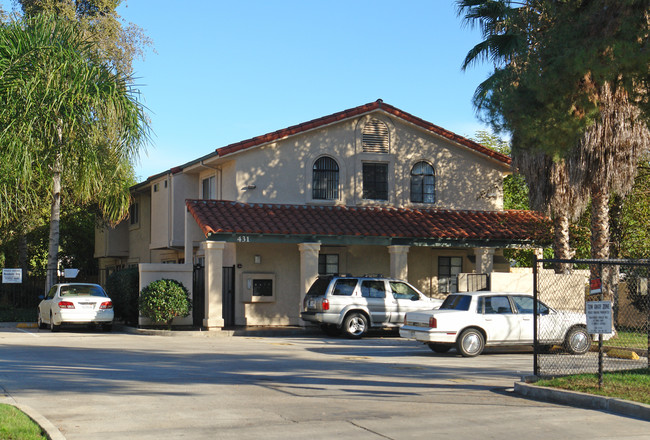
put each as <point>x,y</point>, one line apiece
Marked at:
<point>94,385</point>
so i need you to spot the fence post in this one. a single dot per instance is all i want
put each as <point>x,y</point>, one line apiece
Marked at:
<point>535,311</point>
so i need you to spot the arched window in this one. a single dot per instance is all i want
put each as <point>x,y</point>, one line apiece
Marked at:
<point>423,183</point>
<point>325,185</point>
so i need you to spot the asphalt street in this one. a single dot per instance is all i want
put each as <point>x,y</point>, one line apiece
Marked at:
<point>94,385</point>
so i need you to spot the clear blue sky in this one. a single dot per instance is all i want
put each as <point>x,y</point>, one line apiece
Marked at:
<point>225,71</point>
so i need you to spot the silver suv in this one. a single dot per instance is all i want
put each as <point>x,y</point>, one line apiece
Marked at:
<point>353,304</point>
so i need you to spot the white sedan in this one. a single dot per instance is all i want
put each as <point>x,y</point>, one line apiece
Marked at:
<point>471,321</point>
<point>75,303</point>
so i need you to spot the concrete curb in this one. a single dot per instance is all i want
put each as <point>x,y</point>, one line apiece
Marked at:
<point>51,431</point>
<point>224,333</point>
<point>583,400</point>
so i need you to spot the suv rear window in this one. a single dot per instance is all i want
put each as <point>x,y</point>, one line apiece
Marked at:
<point>344,287</point>
<point>319,288</point>
<point>456,302</point>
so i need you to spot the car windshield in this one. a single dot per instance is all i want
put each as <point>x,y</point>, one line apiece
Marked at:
<point>82,290</point>
<point>319,288</point>
<point>456,302</point>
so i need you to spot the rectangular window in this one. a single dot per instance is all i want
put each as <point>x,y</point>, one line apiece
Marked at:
<point>328,264</point>
<point>209,189</point>
<point>134,214</point>
<point>375,181</point>
<point>448,270</point>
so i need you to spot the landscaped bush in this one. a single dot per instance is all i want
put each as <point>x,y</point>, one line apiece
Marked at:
<point>163,300</point>
<point>122,286</point>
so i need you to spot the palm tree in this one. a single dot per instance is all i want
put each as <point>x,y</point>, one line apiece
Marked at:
<point>69,115</point>
<point>508,42</point>
<point>571,88</point>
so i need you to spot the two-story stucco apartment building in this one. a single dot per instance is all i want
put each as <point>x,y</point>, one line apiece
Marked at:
<point>371,189</point>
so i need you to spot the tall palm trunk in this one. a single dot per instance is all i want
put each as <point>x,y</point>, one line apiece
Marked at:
<point>55,218</point>
<point>599,222</point>
<point>561,242</point>
<point>55,215</point>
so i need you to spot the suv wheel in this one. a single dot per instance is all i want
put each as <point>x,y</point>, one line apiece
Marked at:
<point>355,325</point>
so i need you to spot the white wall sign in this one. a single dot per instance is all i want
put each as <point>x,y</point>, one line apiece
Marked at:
<point>599,317</point>
<point>13,276</point>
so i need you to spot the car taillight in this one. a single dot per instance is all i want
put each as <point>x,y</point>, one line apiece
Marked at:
<point>106,305</point>
<point>433,322</point>
<point>66,305</point>
<point>325,304</point>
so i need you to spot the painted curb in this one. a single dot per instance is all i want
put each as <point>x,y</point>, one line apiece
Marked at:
<point>583,400</point>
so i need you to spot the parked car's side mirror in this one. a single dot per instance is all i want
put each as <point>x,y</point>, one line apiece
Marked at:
<point>41,296</point>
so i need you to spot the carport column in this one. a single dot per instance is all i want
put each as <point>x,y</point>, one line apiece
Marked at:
<point>484,260</point>
<point>399,267</point>
<point>213,283</point>
<point>308,267</point>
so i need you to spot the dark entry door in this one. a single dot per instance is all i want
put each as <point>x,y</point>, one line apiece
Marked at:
<point>228,291</point>
<point>198,295</point>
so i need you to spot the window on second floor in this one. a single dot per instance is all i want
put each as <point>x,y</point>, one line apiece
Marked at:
<point>134,214</point>
<point>375,181</point>
<point>209,190</point>
<point>423,183</point>
<point>325,185</point>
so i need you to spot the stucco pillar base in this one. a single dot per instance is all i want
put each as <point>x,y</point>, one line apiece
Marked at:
<point>308,269</point>
<point>214,324</point>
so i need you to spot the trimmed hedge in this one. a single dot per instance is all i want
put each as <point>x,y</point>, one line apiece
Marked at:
<point>163,300</point>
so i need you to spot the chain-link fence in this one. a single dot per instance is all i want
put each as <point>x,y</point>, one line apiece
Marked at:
<point>611,296</point>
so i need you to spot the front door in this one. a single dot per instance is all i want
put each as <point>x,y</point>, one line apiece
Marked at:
<point>228,294</point>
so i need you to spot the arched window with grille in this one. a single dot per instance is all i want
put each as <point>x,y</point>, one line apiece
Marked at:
<point>325,185</point>
<point>423,183</point>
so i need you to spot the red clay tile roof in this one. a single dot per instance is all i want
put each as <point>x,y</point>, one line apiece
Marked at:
<point>223,217</point>
<point>345,114</point>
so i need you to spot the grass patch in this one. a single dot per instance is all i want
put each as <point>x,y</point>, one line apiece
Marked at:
<point>633,385</point>
<point>16,425</point>
<point>8,314</point>
<point>628,339</point>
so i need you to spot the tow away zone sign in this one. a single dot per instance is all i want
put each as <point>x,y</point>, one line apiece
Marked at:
<point>599,317</point>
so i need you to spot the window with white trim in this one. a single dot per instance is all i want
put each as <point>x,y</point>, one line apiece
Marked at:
<point>208,187</point>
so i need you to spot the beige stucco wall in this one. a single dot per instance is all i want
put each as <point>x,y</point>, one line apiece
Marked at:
<point>280,260</point>
<point>140,233</point>
<point>282,171</point>
<point>112,241</point>
<point>179,272</point>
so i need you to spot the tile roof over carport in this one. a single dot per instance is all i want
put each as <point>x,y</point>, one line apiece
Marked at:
<point>228,221</point>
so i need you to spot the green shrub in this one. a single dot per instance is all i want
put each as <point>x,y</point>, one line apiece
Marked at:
<point>122,287</point>
<point>163,300</point>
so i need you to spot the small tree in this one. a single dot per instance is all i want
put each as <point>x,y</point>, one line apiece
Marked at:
<point>163,300</point>
<point>122,287</point>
